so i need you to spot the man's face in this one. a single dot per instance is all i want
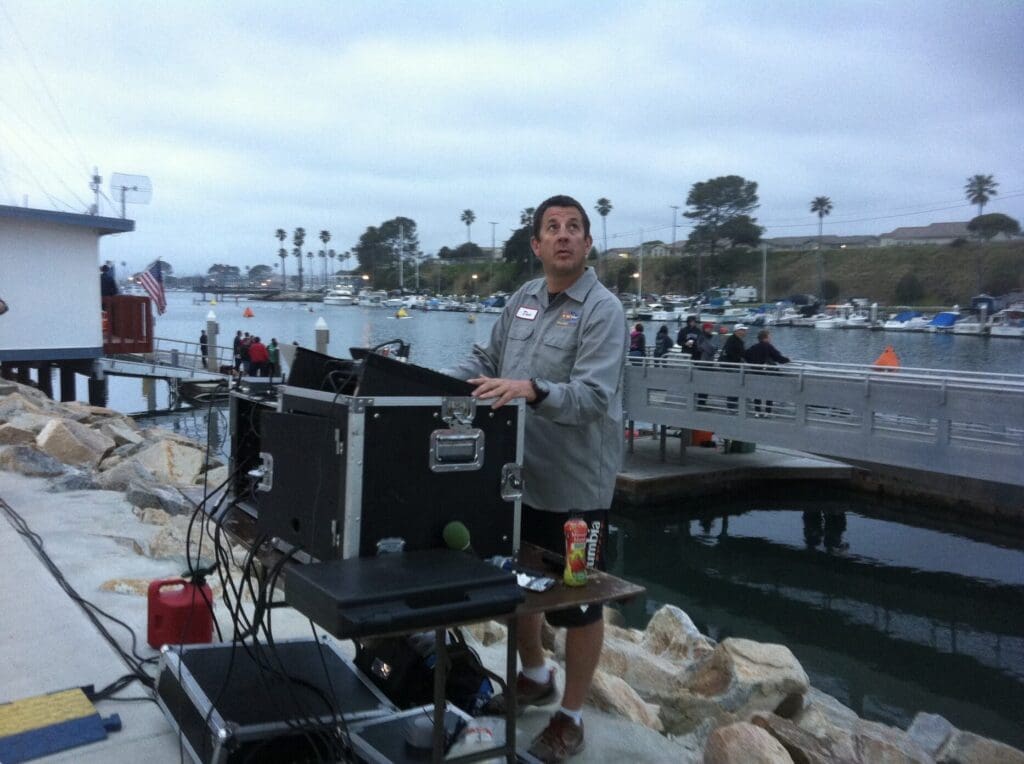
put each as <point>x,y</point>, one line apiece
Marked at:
<point>562,246</point>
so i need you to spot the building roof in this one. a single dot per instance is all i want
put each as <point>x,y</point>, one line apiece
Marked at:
<point>931,231</point>
<point>102,225</point>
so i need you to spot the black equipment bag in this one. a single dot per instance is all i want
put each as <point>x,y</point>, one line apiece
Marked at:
<point>403,669</point>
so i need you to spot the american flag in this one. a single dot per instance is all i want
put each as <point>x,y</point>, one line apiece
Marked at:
<point>153,282</point>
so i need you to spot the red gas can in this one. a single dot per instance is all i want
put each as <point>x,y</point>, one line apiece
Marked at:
<point>180,613</point>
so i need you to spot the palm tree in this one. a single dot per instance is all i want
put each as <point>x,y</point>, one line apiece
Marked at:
<point>980,189</point>
<point>325,236</point>
<point>283,254</point>
<point>281,236</point>
<point>334,273</point>
<point>603,207</point>
<point>322,254</point>
<point>823,206</point>
<point>309,256</point>
<point>297,239</point>
<point>468,216</point>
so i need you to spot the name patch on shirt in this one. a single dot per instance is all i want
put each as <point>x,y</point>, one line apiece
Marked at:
<point>528,313</point>
<point>568,318</point>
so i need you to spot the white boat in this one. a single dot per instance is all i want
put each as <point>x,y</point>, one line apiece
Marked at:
<point>907,321</point>
<point>972,324</point>
<point>1007,323</point>
<point>372,298</point>
<point>340,295</point>
<point>830,322</point>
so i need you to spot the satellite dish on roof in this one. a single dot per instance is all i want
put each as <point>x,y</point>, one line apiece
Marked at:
<point>136,189</point>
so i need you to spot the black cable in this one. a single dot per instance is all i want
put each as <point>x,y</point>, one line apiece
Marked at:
<point>134,661</point>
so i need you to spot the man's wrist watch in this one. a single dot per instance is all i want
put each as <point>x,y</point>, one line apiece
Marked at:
<point>540,390</point>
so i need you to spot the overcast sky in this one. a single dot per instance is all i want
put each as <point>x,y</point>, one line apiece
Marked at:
<point>252,116</point>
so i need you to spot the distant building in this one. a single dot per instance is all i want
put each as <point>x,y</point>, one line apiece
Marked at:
<point>807,243</point>
<point>935,233</point>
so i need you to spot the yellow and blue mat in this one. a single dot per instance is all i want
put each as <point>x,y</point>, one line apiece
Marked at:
<point>46,724</point>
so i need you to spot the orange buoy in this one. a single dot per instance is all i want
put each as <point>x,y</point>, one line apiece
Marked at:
<point>888,358</point>
<point>247,313</point>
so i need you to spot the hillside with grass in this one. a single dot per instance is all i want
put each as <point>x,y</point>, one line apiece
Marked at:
<point>918,275</point>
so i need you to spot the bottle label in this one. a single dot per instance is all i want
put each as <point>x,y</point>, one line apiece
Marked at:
<point>575,573</point>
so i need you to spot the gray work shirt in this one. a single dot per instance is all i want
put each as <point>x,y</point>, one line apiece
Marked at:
<point>576,344</point>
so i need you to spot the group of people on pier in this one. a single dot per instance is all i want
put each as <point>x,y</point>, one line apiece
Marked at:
<point>699,342</point>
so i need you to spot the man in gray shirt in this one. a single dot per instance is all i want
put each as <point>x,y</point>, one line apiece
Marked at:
<point>560,344</point>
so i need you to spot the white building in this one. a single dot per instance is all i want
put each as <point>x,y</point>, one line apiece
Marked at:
<point>49,279</point>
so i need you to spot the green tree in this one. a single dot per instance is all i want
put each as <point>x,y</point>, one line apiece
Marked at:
<point>909,290</point>
<point>741,230</point>
<point>821,205</point>
<point>281,235</point>
<point>713,203</point>
<point>980,189</point>
<point>468,217</point>
<point>991,225</point>
<point>298,238</point>
<point>526,217</point>
<point>261,272</point>
<point>375,252</point>
<point>467,251</point>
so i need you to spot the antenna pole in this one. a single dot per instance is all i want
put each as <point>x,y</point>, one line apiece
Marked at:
<point>95,186</point>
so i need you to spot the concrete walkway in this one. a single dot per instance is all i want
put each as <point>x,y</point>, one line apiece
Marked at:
<point>48,644</point>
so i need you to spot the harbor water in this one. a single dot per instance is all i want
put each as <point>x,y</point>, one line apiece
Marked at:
<point>886,610</point>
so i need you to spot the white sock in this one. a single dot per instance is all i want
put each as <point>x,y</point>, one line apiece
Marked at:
<point>538,674</point>
<point>576,716</point>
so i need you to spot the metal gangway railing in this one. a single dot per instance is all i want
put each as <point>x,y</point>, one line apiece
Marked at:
<point>969,424</point>
<point>172,360</point>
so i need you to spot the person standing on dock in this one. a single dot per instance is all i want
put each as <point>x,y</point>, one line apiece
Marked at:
<point>662,344</point>
<point>108,287</point>
<point>689,338</point>
<point>236,351</point>
<point>259,358</point>
<point>732,352</point>
<point>637,345</point>
<point>204,346</point>
<point>274,352</point>
<point>560,345</point>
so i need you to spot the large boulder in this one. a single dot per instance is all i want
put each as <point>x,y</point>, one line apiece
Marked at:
<point>16,403</point>
<point>172,461</point>
<point>968,748</point>
<point>29,460</point>
<point>672,635</point>
<point>801,745</point>
<point>30,420</point>
<point>119,477</point>
<point>145,495</point>
<point>11,435</point>
<point>613,694</point>
<point>739,678</point>
<point>73,443</point>
<point>743,743</point>
<point>930,731</point>
<point>121,432</point>
<point>876,743</point>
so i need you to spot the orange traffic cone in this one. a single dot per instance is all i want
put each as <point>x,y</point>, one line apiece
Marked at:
<point>888,358</point>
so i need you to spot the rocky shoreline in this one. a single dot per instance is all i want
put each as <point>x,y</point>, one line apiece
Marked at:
<point>733,701</point>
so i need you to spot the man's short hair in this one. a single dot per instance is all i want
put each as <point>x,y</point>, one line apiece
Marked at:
<point>763,334</point>
<point>558,201</point>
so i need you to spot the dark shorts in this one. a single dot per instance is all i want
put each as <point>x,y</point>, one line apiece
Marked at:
<point>546,529</point>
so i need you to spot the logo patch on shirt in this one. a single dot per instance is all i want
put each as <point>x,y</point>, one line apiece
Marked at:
<point>568,318</point>
<point>528,313</point>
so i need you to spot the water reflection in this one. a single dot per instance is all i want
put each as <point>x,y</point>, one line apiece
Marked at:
<point>886,637</point>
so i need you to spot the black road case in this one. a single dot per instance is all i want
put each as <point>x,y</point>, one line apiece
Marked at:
<point>293,701</point>
<point>342,472</point>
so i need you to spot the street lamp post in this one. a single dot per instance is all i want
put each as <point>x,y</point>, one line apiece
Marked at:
<point>675,209</point>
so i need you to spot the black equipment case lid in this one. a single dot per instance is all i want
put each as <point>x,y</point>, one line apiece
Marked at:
<point>361,596</point>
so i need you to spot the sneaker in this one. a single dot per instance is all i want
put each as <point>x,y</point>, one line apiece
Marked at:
<point>561,739</point>
<point>528,693</point>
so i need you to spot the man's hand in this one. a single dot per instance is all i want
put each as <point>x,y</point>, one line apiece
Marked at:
<point>502,390</point>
